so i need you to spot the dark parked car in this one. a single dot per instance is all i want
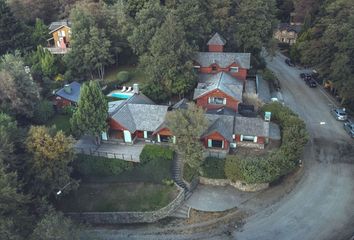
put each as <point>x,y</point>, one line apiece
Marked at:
<point>349,128</point>
<point>289,62</point>
<point>302,75</point>
<point>312,83</point>
<point>339,114</point>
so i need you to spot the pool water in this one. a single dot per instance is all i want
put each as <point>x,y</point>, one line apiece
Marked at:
<point>121,95</point>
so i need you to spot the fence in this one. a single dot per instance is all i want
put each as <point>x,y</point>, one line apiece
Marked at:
<point>95,152</point>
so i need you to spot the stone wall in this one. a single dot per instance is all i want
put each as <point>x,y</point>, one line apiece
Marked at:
<point>128,217</point>
<point>238,185</point>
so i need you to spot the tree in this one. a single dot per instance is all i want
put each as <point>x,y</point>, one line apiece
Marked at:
<point>54,225</point>
<point>8,138</point>
<point>11,30</point>
<point>92,112</point>
<point>255,21</point>
<point>168,63</point>
<point>97,54</point>
<point>52,153</point>
<point>13,211</point>
<point>17,88</point>
<point>147,21</point>
<point>188,126</point>
<point>40,33</point>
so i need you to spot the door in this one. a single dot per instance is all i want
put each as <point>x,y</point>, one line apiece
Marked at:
<point>127,136</point>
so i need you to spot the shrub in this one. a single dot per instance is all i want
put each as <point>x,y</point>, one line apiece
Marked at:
<point>123,77</point>
<point>87,165</point>
<point>213,168</point>
<point>68,110</point>
<point>276,164</point>
<point>43,112</point>
<point>155,152</point>
<point>189,173</point>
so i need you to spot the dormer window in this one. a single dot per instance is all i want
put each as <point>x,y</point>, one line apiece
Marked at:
<point>234,69</point>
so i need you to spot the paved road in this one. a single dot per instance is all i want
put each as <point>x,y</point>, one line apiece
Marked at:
<point>322,204</point>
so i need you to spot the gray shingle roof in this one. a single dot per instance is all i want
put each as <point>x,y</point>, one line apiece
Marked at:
<point>55,25</point>
<point>139,113</point>
<point>221,81</point>
<point>75,92</point>
<point>182,104</point>
<point>217,40</point>
<point>223,59</point>
<point>223,124</point>
<point>251,126</point>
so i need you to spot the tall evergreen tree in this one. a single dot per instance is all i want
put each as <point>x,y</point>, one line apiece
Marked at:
<point>92,112</point>
<point>11,30</point>
<point>168,62</point>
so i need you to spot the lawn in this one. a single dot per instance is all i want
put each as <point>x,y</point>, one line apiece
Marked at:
<point>62,122</point>
<point>110,197</point>
<point>137,75</point>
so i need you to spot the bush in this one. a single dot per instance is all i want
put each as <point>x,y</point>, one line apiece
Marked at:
<point>156,153</point>
<point>68,110</point>
<point>189,173</point>
<point>43,112</point>
<point>276,164</point>
<point>87,165</point>
<point>213,168</point>
<point>123,77</point>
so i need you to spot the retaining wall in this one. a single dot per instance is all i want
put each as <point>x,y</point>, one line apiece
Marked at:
<point>128,217</point>
<point>238,185</point>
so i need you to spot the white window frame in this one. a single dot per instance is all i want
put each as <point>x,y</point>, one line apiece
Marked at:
<point>211,100</point>
<point>234,69</point>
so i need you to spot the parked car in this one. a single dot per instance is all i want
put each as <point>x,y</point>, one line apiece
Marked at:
<point>311,83</point>
<point>289,62</point>
<point>302,75</point>
<point>339,114</point>
<point>349,128</point>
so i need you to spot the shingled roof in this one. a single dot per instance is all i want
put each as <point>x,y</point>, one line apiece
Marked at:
<point>217,40</point>
<point>288,27</point>
<point>221,81</point>
<point>139,113</point>
<point>223,59</point>
<point>74,95</point>
<point>251,126</point>
<point>55,25</point>
<point>223,124</point>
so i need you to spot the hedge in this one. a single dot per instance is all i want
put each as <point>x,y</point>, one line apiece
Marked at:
<point>213,168</point>
<point>123,77</point>
<point>278,163</point>
<point>155,152</point>
<point>87,165</point>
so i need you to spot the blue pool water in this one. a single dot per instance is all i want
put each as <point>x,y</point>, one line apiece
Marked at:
<point>121,95</point>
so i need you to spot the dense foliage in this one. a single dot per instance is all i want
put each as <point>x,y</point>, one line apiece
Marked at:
<point>278,163</point>
<point>213,168</point>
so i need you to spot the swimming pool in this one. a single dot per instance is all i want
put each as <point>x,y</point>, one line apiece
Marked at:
<point>121,95</point>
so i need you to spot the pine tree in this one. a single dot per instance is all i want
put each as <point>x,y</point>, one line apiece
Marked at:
<point>92,112</point>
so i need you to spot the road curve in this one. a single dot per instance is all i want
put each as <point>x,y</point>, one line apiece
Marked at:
<point>321,206</point>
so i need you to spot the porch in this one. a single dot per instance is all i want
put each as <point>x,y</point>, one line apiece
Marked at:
<point>86,145</point>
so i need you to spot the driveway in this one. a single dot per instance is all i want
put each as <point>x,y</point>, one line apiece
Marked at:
<point>322,204</point>
<point>214,199</point>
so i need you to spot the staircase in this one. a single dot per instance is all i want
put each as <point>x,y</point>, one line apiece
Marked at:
<point>177,175</point>
<point>182,212</point>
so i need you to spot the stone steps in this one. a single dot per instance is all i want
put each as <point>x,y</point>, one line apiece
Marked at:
<point>182,212</point>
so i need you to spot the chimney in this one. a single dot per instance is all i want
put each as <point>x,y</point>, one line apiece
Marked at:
<point>67,88</point>
<point>136,88</point>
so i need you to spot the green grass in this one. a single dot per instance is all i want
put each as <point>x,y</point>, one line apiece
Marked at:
<point>110,197</point>
<point>62,122</point>
<point>137,75</point>
<point>213,168</point>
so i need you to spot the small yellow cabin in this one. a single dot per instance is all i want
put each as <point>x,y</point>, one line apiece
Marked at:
<point>61,35</point>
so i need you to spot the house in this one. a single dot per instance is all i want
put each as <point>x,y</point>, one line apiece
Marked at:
<point>216,60</point>
<point>60,31</point>
<point>68,95</point>
<point>215,91</point>
<point>287,33</point>
<point>136,118</point>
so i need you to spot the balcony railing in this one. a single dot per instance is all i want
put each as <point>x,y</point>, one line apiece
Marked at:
<point>56,50</point>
